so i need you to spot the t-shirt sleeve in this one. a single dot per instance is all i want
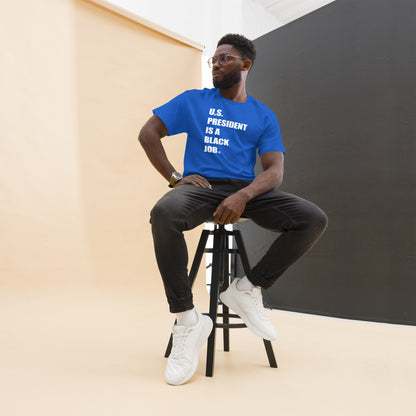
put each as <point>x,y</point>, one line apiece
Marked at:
<point>172,114</point>
<point>271,139</point>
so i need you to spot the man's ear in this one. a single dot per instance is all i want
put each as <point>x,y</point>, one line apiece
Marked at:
<point>247,64</point>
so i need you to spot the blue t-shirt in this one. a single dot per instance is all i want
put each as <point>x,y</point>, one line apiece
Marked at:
<point>223,135</point>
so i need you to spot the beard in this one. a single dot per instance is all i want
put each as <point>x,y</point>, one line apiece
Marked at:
<point>229,80</point>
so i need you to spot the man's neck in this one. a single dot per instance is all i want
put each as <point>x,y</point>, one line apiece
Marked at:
<point>235,93</point>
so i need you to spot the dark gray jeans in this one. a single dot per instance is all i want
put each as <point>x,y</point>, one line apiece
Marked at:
<point>300,223</point>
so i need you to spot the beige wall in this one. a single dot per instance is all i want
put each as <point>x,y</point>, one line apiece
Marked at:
<point>77,83</point>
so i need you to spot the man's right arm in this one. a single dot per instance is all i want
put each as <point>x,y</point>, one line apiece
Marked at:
<point>150,138</point>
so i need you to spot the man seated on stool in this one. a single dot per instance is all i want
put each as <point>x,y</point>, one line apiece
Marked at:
<point>225,129</point>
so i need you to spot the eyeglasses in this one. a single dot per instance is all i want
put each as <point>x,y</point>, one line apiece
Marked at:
<point>222,59</point>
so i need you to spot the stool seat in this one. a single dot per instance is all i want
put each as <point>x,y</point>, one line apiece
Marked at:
<point>220,280</point>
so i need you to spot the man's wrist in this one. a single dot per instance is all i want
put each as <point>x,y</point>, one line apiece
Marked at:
<point>174,179</point>
<point>246,194</point>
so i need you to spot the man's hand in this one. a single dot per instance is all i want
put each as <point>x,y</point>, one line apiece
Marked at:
<point>230,209</point>
<point>197,180</point>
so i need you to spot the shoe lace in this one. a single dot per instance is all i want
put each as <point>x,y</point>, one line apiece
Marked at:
<point>258,303</point>
<point>178,346</point>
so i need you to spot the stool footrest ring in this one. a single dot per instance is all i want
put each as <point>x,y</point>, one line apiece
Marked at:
<point>220,325</point>
<point>227,315</point>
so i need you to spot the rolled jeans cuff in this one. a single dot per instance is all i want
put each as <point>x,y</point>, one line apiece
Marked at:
<point>181,305</point>
<point>259,281</point>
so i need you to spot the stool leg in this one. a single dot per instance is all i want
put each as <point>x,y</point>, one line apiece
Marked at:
<point>246,267</point>
<point>192,275</point>
<point>226,331</point>
<point>270,353</point>
<point>199,253</point>
<point>242,251</point>
<point>224,286</point>
<point>217,267</point>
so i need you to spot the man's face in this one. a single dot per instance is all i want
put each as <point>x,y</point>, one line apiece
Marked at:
<point>226,75</point>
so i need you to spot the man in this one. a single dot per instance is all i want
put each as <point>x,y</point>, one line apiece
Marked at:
<point>226,128</point>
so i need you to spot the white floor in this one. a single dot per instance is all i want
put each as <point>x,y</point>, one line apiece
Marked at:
<point>89,352</point>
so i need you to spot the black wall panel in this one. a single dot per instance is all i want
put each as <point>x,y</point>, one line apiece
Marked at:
<point>342,81</point>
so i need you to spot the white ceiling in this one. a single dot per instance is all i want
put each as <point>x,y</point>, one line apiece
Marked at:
<point>288,10</point>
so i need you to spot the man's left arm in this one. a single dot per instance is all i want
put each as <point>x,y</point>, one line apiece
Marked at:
<point>231,208</point>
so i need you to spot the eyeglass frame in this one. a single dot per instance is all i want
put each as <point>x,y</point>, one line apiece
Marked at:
<point>211,61</point>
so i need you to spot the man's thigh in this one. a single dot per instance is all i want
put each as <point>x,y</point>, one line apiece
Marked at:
<point>279,211</point>
<point>189,205</point>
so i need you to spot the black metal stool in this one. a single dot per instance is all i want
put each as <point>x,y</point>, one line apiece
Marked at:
<point>220,280</point>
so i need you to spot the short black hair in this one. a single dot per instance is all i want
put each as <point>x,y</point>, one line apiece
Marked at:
<point>241,43</point>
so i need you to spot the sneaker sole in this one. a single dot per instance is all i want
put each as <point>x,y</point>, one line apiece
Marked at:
<point>206,331</point>
<point>229,301</point>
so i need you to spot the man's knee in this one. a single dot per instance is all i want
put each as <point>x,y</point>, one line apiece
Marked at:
<point>317,220</point>
<point>161,213</point>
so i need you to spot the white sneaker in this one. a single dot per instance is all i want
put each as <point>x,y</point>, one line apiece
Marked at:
<point>187,342</point>
<point>249,306</point>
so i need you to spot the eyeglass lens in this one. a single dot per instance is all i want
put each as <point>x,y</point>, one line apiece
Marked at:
<point>221,59</point>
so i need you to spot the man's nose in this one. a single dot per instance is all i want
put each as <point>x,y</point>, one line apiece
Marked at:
<point>216,64</point>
